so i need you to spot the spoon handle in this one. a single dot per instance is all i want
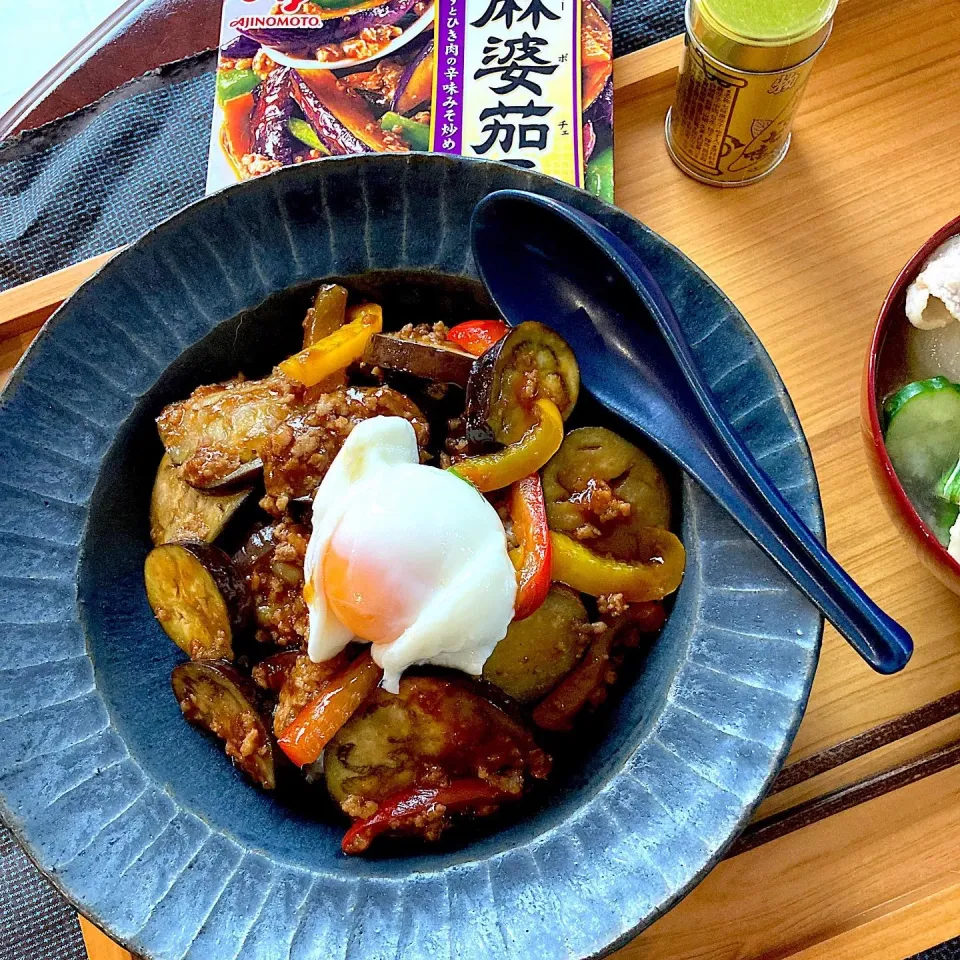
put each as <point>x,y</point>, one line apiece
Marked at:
<point>756,504</point>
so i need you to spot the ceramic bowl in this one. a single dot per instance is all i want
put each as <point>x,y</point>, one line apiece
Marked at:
<point>884,373</point>
<point>140,819</point>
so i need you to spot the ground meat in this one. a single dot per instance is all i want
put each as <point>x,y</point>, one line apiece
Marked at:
<point>298,454</point>
<point>275,579</point>
<point>612,605</point>
<point>434,333</point>
<point>255,164</point>
<point>597,498</point>
<point>381,81</point>
<point>303,683</point>
<point>369,42</point>
<point>261,64</point>
<point>358,808</point>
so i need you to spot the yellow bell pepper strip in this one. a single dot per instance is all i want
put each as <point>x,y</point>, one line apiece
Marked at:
<point>493,471</point>
<point>319,721</point>
<point>534,557</point>
<point>579,567</point>
<point>337,351</point>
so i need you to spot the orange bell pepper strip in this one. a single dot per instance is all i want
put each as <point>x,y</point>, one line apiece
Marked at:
<point>579,567</point>
<point>405,807</point>
<point>320,720</point>
<point>337,351</point>
<point>493,471</point>
<point>477,336</point>
<point>534,557</point>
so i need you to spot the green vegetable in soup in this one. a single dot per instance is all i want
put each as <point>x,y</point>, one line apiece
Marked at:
<point>417,135</point>
<point>949,486</point>
<point>235,83</point>
<point>923,439</point>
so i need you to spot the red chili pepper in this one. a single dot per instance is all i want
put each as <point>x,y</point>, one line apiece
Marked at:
<point>403,808</point>
<point>534,559</point>
<point>477,336</point>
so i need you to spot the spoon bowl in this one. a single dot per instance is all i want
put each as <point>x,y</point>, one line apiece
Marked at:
<point>542,260</point>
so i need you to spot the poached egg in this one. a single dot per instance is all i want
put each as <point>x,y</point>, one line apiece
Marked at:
<point>407,557</point>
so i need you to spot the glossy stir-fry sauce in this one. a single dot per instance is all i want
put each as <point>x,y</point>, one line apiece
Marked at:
<point>567,531</point>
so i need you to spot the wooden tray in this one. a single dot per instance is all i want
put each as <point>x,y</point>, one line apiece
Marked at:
<point>854,854</point>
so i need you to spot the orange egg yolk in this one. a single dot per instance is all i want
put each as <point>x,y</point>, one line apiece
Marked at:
<point>363,594</point>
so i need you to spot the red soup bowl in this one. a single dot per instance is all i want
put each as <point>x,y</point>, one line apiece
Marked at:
<point>886,371</point>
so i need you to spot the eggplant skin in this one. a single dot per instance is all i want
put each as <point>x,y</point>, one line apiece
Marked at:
<point>495,411</point>
<point>416,83</point>
<point>216,697</point>
<point>333,132</point>
<point>273,109</point>
<point>427,361</point>
<point>181,512</point>
<point>304,43</point>
<point>240,48</point>
<point>600,112</point>
<point>198,597</point>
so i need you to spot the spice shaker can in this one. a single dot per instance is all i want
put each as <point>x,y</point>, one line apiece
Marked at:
<point>745,66</point>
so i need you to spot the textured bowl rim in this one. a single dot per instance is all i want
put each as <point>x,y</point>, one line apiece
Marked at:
<point>882,328</point>
<point>762,357</point>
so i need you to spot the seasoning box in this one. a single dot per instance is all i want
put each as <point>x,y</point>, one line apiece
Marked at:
<point>745,66</point>
<point>529,82</point>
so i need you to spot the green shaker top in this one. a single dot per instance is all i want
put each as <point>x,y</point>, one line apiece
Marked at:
<point>769,21</point>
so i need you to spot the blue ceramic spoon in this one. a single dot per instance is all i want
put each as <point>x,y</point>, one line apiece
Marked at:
<point>542,260</point>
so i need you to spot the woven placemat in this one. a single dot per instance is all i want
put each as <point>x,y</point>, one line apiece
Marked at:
<point>87,184</point>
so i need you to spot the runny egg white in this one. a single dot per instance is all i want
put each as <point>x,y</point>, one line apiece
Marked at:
<point>408,557</point>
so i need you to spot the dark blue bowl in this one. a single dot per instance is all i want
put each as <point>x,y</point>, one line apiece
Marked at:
<point>143,823</point>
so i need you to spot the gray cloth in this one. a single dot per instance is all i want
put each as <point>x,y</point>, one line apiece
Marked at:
<point>35,921</point>
<point>92,182</point>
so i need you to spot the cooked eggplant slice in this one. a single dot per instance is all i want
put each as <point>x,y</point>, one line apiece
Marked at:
<point>603,491</point>
<point>341,118</point>
<point>539,651</point>
<point>273,109</point>
<point>530,363</point>
<point>427,361</point>
<point>198,597</point>
<point>416,83</point>
<point>271,563</point>
<point>181,512</point>
<point>219,429</point>
<point>340,22</point>
<point>214,696</point>
<point>434,729</point>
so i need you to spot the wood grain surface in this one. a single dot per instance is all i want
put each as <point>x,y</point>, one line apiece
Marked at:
<point>808,255</point>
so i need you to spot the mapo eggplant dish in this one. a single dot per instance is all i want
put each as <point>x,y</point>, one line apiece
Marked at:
<point>434,579</point>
